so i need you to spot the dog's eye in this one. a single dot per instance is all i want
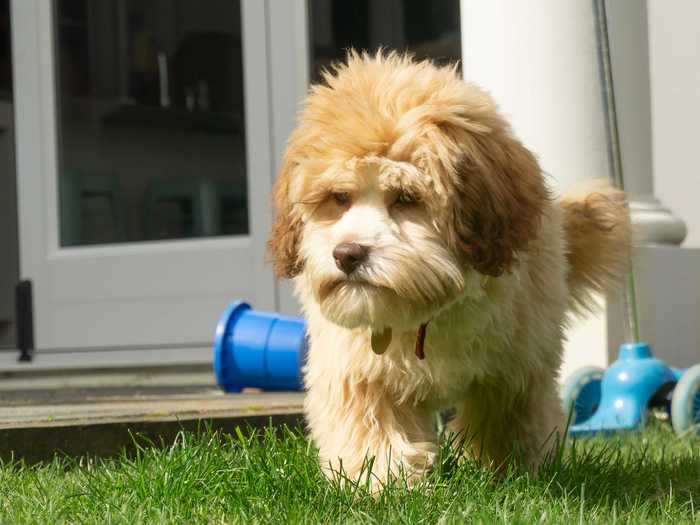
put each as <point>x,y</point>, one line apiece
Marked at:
<point>405,198</point>
<point>341,198</point>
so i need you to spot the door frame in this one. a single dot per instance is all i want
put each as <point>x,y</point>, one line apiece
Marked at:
<point>37,157</point>
<point>289,51</point>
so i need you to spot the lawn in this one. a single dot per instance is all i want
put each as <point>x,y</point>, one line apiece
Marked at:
<point>273,477</point>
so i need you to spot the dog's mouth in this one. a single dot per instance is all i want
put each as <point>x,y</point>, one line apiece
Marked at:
<point>329,287</point>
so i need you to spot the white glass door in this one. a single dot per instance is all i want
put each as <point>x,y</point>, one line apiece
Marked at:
<point>144,166</point>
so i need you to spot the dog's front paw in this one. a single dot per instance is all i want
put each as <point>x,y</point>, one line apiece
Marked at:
<point>406,468</point>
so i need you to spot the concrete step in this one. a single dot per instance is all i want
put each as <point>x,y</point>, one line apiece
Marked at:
<point>97,412</point>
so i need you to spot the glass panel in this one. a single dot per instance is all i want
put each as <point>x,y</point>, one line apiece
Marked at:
<point>5,51</point>
<point>151,120</point>
<point>428,29</point>
<point>9,262</point>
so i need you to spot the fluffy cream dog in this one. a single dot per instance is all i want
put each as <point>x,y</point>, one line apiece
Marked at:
<point>433,267</point>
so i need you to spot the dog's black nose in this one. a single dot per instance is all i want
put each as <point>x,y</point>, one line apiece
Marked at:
<point>349,255</point>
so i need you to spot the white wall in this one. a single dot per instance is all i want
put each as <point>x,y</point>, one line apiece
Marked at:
<point>674,50</point>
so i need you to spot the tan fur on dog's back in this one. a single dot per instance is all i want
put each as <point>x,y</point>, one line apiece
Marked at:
<point>599,236</point>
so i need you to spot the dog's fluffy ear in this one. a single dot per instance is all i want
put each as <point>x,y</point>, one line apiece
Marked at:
<point>283,245</point>
<point>499,198</point>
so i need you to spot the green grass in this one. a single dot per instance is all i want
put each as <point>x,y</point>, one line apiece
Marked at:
<point>649,477</point>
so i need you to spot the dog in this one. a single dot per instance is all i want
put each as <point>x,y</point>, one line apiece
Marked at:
<point>434,267</point>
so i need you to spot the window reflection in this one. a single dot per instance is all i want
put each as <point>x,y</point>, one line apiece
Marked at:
<point>9,262</point>
<point>152,139</point>
<point>427,29</point>
<point>5,51</point>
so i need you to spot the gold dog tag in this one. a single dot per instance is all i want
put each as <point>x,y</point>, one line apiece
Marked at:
<point>381,341</point>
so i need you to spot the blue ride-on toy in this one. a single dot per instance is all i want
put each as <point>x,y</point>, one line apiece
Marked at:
<point>621,397</point>
<point>259,350</point>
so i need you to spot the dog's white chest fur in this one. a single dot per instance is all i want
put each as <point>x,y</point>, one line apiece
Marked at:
<point>463,341</point>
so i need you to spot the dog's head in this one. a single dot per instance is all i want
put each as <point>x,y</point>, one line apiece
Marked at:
<point>400,185</point>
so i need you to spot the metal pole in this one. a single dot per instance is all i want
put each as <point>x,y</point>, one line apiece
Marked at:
<point>629,295</point>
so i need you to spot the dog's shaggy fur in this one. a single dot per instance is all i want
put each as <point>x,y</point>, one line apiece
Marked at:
<point>407,160</point>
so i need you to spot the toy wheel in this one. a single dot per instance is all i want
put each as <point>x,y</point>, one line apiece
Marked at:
<point>581,393</point>
<point>685,404</point>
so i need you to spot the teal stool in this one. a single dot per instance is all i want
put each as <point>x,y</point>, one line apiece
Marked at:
<point>75,189</point>
<point>197,202</point>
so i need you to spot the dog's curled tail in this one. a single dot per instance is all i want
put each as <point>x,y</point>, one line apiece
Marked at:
<point>599,238</point>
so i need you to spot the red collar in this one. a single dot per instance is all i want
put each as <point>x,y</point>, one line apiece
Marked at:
<point>420,341</point>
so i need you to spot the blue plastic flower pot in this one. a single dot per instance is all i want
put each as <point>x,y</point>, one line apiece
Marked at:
<point>258,349</point>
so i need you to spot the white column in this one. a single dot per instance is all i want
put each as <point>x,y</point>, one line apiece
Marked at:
<point>629,49</point>
<point>540,62</point>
